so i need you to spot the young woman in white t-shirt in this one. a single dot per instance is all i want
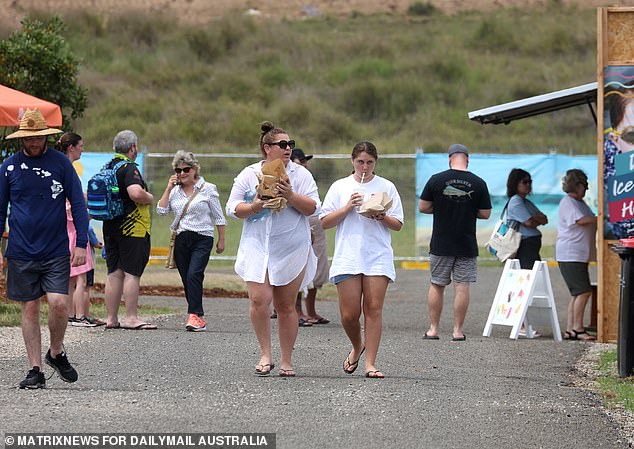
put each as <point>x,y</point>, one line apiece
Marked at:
<point>363,262</point>
<point>275,257</point>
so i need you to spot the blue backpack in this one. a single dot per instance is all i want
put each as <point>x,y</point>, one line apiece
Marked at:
<point>104,200</point>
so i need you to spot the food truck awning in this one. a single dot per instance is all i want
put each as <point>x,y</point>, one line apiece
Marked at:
<point>540,104</point>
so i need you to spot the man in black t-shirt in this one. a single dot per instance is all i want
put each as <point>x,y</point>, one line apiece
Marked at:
<point>456,198</point>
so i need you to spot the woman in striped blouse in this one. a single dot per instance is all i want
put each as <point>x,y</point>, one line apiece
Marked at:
<point>195,232</point>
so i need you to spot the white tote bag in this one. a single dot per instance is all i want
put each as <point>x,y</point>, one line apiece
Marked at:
<point>505,240</point>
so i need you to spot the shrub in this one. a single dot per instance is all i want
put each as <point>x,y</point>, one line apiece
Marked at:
<point>39,61</point>
<point>495,35</point>
<point>421,9</point>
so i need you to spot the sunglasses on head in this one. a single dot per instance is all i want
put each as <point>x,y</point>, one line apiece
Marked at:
<point>284,143</point>
<point>182,170</point>
<point>627,134</point>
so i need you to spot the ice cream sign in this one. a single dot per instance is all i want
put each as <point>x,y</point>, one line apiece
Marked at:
<point>621,188</point>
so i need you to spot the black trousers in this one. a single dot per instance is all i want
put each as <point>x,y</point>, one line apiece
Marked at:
<point>191,252</point>
<point>528,252</point>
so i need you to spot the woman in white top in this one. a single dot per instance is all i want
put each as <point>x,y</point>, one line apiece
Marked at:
<point>275,256</point>
<point>363,263</point>
<point>195,232</point>
<point>575,247</point>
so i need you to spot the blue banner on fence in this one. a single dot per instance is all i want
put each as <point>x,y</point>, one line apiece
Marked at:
<point>91,163</point>
<point>546,171</point>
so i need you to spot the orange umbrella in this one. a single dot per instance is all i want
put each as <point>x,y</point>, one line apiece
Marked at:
<point>13,104</point>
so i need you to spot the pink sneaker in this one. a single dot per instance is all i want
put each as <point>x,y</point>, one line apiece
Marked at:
<point>195,323</point>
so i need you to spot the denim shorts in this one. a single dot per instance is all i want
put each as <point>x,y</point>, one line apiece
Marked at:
<point>341,277</point>
<point>29,279</point>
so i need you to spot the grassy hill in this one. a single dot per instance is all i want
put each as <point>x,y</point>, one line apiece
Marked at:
<point>402,81</point>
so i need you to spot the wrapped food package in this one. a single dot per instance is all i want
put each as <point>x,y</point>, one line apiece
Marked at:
<point>272,173</point>
<point>378,202</point>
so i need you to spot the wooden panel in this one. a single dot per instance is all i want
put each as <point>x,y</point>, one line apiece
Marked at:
<point>608,310</point>
<point>615,46</point>
<point>620,35</point>
<point>602,316</point>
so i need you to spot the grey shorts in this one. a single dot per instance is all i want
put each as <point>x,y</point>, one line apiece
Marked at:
<point>444,268</point>
<point>576,276</point>
<point>28,280</point>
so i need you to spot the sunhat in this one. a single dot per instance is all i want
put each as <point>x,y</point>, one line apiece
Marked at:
<point>33,125</point>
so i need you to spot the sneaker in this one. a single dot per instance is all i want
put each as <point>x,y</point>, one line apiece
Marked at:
<point>34,379</point>
<point>71,320</point>
<point>83,322</point>
<point>62,366</point>
<point>95,321</point>
<point>195,323</point>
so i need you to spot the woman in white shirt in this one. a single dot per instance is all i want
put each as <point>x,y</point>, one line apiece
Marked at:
<point>194,230</point>
<point>576,247</point>
<point>363,263</point>
<point>275,256</point>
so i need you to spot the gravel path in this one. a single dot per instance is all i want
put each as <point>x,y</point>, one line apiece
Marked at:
<point>485,392</point>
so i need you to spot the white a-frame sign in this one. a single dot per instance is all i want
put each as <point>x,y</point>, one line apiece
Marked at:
<point>524,296</point>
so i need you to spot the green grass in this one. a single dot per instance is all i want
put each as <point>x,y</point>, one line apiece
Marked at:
<point>404,81</point>
<point>615,389</point>
<point>11,313</point>
<point>401,81</point>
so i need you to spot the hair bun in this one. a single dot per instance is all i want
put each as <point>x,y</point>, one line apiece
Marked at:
<point>266,127</point>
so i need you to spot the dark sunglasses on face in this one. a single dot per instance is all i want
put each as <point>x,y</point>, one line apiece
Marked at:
<point>182,170</point>
<point>527,181</point>
<point>284,143</point>
<point>627,134</point>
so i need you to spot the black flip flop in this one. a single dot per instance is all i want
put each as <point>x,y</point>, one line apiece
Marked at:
<point>354,365</point>
<point>430,337</point>
<point>463,338</point>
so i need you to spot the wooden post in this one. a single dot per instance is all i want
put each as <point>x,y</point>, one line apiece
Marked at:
<point>615,50</point>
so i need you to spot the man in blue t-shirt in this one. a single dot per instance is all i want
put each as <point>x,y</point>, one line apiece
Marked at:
<point>36,181</point>
<point>456,198</point>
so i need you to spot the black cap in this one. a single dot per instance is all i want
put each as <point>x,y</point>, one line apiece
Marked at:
<point>298,153</point>
<point>457,148</point>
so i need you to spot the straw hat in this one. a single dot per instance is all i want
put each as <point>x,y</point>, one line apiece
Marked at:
<point>32,125</point>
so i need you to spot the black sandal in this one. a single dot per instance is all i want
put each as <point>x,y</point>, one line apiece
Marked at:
<point>570,335</point>
<point>583,335</point>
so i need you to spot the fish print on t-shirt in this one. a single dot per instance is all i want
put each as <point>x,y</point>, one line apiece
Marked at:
<point>458,190</point>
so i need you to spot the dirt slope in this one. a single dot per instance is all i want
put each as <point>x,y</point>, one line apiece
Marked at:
<point>204,11</point>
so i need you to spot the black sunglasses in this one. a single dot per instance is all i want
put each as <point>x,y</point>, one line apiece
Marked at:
<point>182,170</point>
<point>526,181</point>
<point>284,143</point>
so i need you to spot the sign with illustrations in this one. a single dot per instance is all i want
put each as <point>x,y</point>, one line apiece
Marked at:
<point>524,297</point>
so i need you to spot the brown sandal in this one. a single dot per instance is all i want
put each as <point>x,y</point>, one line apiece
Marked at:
<point>287,372</point>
